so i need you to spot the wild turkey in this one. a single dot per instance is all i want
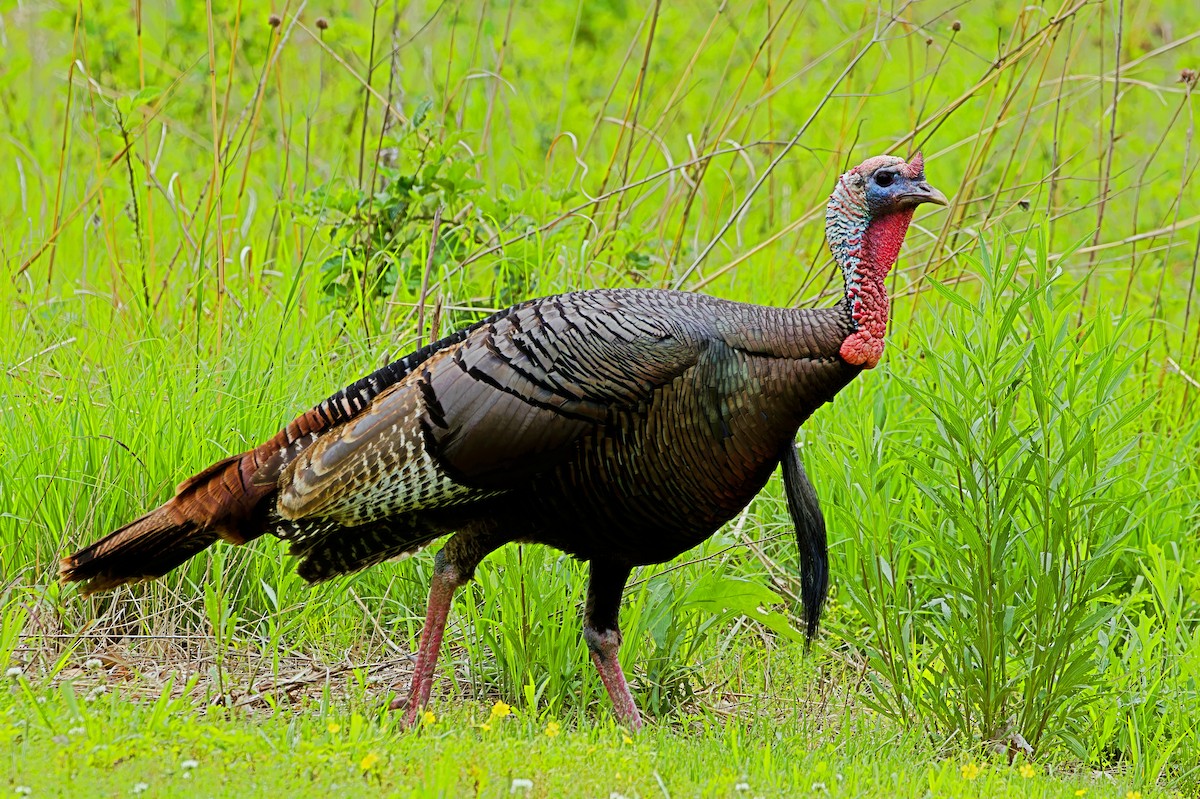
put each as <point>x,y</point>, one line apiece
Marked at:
<point>621,426</point>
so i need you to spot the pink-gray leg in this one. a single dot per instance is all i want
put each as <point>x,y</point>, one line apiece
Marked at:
<point>446,580</point>
<point>603,636</point>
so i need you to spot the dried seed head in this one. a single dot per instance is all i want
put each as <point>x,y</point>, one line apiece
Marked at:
<point>956,26</point>
<point>274,20</point>
<point>928,40</point>
<point>322,23</point>
<point>1188,76</point>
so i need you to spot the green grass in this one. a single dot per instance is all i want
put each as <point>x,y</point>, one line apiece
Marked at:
<point>1012,495</point>
<point>104,744</point>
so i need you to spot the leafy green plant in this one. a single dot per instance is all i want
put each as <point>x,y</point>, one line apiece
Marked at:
<point>1025,501</point>
<point>1149,661</point>
<point>420,186</point>
<point>521,629</point>
<point>13,616</point>
<point>680,616</point>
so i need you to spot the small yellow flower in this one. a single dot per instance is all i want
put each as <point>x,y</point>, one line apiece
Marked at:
<point>970,771</point>
<point>1133,795</point>
<point>486,726</point>
<point>369,761</point>
<point>428,717</point>
<point>501,709</point>
<point>553,729</point>
<point>1081,792</point>
<point>333,727</point>
<point>626,739</point>
<point>1027,770</point>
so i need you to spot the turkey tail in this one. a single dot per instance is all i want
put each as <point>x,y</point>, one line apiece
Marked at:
<point>220,502</point>
<point>231,499</point>
<point>142,550</point>
<point>810,537</point>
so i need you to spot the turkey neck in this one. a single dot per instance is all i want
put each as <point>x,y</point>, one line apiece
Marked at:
<point>865,247</point>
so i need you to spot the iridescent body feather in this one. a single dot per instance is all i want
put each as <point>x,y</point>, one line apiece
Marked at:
<point>622,426</point>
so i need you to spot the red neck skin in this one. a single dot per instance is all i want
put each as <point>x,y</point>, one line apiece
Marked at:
<point>868,295</point>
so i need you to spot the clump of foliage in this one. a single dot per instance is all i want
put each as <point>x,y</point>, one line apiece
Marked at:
<point>380,234</point>
<point>993,602</point>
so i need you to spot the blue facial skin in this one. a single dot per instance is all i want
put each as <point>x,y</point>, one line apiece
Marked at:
<point>888,190</point>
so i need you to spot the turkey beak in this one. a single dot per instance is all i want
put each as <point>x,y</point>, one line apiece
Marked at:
<point>922,192</point>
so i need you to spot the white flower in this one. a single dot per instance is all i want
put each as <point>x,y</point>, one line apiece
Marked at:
<point>189,764</point>
<point>24,790</point>
<point>819,786</point>
<point>12,673</point>
<point>742,786</point>
<point>77,731</point>
<point>91,664</point>
<point>521,785</point>
<point>139,787</point>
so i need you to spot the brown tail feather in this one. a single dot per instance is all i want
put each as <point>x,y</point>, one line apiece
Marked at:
<point>228,499</point>
<point>142,550</point>
<point>223,501</point>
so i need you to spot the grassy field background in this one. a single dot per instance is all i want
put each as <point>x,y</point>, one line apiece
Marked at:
<point>213,218</point>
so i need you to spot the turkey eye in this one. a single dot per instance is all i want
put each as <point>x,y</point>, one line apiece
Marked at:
<point>884,178</point>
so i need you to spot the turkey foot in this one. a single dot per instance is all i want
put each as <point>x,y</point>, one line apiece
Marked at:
<point>606,583</point>
<point>604,645</point>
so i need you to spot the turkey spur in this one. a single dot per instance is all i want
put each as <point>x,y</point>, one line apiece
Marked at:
<point>621,426</point>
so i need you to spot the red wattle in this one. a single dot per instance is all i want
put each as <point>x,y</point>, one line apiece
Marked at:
<point>868,299</point>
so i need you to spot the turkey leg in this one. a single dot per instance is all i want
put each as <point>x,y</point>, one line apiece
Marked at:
<point>446,580</point>
<point>603,635</point>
